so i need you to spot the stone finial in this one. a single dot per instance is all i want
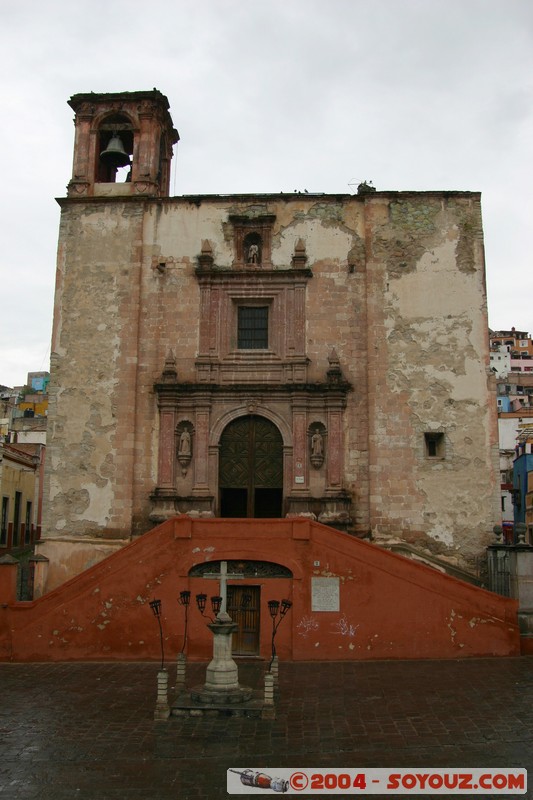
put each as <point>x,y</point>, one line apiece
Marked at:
<point>205,259</point>
<point>520,533</point>
<point>299,259</point>
<point>498,533</point>
<point>333,358</point>
<point>170,373</point>
<point>334,372</point>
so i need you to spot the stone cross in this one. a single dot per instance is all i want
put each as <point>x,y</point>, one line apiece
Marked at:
<point>224,576</point>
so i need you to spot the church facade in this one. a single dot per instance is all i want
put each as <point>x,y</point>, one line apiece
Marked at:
<point>263,356</point>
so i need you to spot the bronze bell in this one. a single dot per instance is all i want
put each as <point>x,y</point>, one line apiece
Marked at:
<point>114,153</point>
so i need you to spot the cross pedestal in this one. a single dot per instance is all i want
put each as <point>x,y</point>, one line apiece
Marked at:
<point>222,676</point>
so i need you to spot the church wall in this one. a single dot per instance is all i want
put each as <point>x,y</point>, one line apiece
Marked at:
<point>397,288</point>
<point>428,372</point>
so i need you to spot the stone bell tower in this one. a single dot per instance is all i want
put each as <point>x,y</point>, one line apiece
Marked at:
<point>131,130</point>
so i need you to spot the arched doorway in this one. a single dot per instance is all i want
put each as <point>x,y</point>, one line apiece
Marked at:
<point>251,469</point>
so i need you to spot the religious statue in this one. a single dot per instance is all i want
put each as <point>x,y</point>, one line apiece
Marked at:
<point>184,447</point>
<point>253,254</point>
<point>184,453</point>
<point>317,449</point>
<point>317,444</point>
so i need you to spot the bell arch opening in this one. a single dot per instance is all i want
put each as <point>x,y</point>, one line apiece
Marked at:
<point>115,149</point>
<point>251,469</point>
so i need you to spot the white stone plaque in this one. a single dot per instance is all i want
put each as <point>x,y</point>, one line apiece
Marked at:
<point>325,594</point>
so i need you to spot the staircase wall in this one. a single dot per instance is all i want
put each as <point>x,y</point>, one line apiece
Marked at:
<point>390,607</point>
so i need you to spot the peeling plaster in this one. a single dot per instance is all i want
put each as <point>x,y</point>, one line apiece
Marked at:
<point>479,621</point>
<point>441,534</point>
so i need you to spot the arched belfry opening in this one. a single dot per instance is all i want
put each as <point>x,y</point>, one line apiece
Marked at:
<point>115,149</point>
<point>251,468</point>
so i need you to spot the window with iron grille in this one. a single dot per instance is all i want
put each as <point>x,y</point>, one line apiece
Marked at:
<point>252,328</point>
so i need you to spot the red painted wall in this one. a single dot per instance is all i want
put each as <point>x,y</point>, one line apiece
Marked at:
<point>390,607</point>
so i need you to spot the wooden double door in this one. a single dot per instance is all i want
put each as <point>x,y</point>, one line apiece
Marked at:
<point>251,469</point>
<point>243,606</point>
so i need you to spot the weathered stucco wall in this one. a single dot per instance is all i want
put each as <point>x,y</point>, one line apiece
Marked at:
<point>94,364</point>
<point>428,372</point>
<point>398,290</point>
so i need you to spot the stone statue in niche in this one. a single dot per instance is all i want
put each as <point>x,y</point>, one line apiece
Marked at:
<point>317,449</point>
<point>317,444</point>
<point>184,453</point>
<point>253,254</point>
<point>184,447</point>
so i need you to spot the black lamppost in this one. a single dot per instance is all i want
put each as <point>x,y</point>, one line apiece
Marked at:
<point>155,605</point>
<point>216,602</point>
<point>274,608</point>
<point>184,600</point>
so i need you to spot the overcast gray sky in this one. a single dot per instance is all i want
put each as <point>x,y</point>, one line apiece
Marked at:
<point>270,96</point>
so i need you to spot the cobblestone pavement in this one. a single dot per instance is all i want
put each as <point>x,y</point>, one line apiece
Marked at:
<point>86,731</point>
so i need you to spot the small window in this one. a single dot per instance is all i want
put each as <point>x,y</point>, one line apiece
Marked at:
<point>252,333</point>
<point>434,445</point>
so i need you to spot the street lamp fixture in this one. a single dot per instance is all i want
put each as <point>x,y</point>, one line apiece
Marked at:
<point>201,600</point>
<point>216,603</point>
<point>155,605</point>
<point>184,599</point>
<point>275,608</point>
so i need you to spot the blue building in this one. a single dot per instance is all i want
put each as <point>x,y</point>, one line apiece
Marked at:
<point>523,464</point>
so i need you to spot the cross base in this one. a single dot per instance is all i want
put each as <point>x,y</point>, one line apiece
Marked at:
<point>219,697</point>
